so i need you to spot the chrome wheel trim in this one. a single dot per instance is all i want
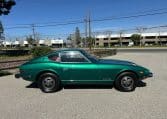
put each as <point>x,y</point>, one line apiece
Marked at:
<point>127,82</point>
<point>48,83</point>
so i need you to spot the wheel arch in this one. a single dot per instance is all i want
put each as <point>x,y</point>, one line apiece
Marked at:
<point>45,71</point>
<point>123,71</point>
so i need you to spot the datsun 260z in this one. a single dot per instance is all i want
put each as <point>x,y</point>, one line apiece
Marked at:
<point>75,66</point>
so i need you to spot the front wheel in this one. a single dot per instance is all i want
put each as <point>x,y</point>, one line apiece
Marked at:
<point>48,82</point>
<point>126,82</point>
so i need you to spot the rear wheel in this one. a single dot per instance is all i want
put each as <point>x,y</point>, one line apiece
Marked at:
<point>126,82</point>
<point>48,82</point>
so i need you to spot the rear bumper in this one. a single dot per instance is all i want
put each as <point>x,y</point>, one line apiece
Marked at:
<point>24,77</point>
<point>17,75</point>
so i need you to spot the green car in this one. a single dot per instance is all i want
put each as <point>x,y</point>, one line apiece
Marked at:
<point>77,67</point>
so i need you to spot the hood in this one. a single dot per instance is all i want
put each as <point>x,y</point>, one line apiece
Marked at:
<point>117,62</point>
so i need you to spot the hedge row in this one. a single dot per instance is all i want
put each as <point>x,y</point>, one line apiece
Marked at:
<point>40,51</point>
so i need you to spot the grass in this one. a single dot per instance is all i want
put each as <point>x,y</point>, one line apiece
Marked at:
<point>4,73</point>
<point>18,48</point>
<point>5,57</point>
<point>153,46</point>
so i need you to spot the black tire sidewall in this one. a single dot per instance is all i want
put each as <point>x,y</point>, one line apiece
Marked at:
<point>119,78</point>
<point>55,77</point>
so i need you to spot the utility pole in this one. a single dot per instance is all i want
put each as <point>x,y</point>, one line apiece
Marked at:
<point>159,34</point>
<point>89,23</point>
<point>33,30</point>
<point>86,24</point>
<point>120,40</point>
<point>35,40</point>
<point>86,30</point>
<point>108,33</point>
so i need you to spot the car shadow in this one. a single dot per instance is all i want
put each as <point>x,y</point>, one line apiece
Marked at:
<point>138,84</point>
<point>88,86</point>
<point>32,85</point>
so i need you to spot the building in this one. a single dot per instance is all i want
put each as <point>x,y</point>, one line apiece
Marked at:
<point>125,39</point>
<point>6,43</point>
<point>42,43</point>
<point>24,43</point>
<point>57,43</point>
<point>16,43</point>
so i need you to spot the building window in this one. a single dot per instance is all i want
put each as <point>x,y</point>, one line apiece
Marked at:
<point>114,38</point>
<point>126,38</point>
<point>150,37</point>
<point>105,38</point>
<point>150,42</point>
<point>106,44</point>
<point>163,36</point>
<point>97,44</point>
<point>125,43</point>
<point>97,39</point>
<point>111,44</point>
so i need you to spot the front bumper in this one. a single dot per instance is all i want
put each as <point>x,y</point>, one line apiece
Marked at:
<point>149,75</point>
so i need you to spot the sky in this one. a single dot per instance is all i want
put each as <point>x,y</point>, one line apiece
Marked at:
<point>62,11</point>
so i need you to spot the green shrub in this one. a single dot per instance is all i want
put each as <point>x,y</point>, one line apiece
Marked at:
<point>40,51</point>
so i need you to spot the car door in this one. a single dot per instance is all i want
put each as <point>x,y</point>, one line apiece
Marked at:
<point>78,68</point>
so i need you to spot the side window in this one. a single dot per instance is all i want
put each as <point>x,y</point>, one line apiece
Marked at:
<point>54,57</point>
<point>72,56</point>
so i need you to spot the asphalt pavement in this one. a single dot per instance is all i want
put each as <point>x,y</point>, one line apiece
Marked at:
<point>20,100</point>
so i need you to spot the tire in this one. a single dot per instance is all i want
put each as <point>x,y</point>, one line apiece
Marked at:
<point>126,82</point>
<point>48,82</point>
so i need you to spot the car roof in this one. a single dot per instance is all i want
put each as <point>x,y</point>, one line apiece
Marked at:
<point>69,49</point>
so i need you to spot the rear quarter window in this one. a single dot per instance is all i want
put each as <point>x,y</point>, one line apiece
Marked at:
<point>54,57</point>
<point>72,56</point>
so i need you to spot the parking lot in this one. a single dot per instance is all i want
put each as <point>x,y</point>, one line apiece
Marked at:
<point>18,100</point>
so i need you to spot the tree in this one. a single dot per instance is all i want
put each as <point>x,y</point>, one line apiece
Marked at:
<point>1,27</point>
<point>30,40</point>
<point>40,51</point>
<point>5,6</point>
<point>69,37</point>
<point>136,39</point>
<point>1,33</point>
<point>37,36</point>
<point>77,37</point>
<point>90,41</point>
